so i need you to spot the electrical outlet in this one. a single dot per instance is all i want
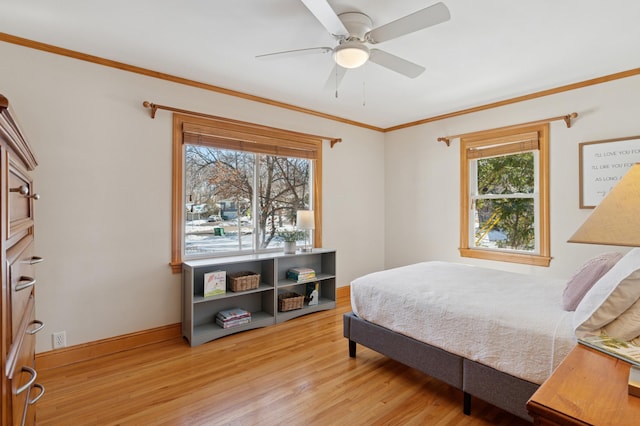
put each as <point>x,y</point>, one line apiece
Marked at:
<point>59,339</point>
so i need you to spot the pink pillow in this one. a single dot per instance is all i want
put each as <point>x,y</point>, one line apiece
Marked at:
<point>585,277</point>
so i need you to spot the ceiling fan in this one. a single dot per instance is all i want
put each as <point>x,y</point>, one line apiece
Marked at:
<point>353,32</point>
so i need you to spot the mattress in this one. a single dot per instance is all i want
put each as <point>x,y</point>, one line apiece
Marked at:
<point>512,322</point>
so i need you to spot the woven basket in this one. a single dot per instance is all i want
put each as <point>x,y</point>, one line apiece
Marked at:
<point>243,281</point>
<point>289,301</point>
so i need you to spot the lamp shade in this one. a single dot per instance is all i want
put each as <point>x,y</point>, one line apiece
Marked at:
<point>616,220</point>
<point>351,54</point>
<point>305,219</point>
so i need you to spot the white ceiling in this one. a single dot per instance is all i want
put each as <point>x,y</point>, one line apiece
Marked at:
<point>489,51</point>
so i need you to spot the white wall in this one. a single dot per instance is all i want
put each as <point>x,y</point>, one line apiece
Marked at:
<point>422,175</point>
<point>103,222</point>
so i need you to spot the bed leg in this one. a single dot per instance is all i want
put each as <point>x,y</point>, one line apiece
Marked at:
<point>466,407</point>
<point>352,349</point>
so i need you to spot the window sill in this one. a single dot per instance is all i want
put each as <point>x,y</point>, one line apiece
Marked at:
<point>176,267</point>
<point>500,256</point>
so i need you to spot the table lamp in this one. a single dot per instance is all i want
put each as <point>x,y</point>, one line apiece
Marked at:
<point>305,220</point>
<point>616,221</point>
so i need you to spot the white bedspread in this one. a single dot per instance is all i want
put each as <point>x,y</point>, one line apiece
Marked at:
<point>511,322</point>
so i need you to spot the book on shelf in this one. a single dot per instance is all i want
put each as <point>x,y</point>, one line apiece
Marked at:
<point>301,274</point>
<point>621,349</point>
<point>233,314</point>
<point>215,283</point>
<point>233,323</point>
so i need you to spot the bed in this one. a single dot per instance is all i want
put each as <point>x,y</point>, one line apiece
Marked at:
<point>495,335</point>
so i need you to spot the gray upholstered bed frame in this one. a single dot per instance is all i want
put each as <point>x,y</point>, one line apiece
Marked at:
<point>495,387</point>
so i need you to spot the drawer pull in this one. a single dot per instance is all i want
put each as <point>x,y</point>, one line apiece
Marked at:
<point>38,328</point>
<point>22,189</point>
<point>35,259</point>
<point>30,382</point>
<point>34,400</point>
<point>25,282</point>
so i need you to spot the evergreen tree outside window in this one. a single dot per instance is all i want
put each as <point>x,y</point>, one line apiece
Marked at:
<point>504,195</point>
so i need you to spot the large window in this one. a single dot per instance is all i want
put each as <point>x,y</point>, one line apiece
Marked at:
<point>504,195</point>
<point>238,186</point>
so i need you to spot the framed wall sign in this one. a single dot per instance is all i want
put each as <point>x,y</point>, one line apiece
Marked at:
<point>602,165</point>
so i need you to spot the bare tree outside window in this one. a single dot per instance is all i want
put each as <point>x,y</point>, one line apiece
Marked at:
<point>228,183</point>
<point>284,189</point>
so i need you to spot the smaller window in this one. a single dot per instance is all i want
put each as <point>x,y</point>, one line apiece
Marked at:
<point>504,195</point>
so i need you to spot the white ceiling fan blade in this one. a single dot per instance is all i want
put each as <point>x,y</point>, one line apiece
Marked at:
<point>297,52</point>
<point>327,17</point>
<point>395,63</point>
<point>427,17</point>
<point>334,80</point>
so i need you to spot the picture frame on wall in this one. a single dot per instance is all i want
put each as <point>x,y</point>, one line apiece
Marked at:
<point>602,165</point>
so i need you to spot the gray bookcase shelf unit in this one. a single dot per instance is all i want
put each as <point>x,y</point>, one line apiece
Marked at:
<point>198,312</point>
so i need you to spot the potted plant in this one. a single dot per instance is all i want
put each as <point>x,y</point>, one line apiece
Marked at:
<point>290,237</point>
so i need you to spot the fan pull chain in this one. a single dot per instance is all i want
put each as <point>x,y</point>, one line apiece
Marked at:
<point>364,94</point>
<point>336,80</point>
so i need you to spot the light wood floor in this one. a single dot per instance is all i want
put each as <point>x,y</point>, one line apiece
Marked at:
<point>295,373</point>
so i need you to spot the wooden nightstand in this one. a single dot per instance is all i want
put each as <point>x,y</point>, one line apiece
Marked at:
<point>588,388</point>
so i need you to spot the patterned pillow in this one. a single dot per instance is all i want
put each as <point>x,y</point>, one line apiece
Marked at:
<point>585,277</point>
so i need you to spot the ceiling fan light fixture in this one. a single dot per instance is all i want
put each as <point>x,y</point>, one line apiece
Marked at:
<point>351,54</point>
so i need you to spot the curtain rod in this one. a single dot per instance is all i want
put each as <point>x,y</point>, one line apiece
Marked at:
<point>155,107</point>
<point>567,119</point>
